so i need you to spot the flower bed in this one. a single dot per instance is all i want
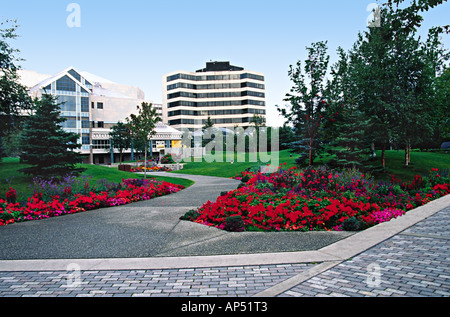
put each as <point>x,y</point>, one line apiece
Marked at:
<point>316,199</point>
<point>170,158</point>
<point>150,169</point>
<point>56,199</point>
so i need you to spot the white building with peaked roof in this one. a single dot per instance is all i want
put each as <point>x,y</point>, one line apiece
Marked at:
<point>91,106</point>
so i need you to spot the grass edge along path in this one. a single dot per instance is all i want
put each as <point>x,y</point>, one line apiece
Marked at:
<point>11,177</point>
<point>421,163</point>
<point>28,199</point>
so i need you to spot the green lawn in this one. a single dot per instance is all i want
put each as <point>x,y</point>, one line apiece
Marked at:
<point>10,176</point>
<point>226,169</point>
<point>421,163</point>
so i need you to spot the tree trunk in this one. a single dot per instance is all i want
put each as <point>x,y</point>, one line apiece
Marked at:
<point>406,155</point>
<point>409,151</point>
<point>383,156</point>
<point>145,161</point>
<point>310,153</point>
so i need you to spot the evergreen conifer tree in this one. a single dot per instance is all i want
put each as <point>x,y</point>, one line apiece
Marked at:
<point>46,146</point>
<point>350,147</point>
<point>209,124</point>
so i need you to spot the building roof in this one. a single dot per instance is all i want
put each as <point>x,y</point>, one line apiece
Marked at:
<point>98,90</point>
<point>57,76</point>
<point>164,128</point>
<point>219,67</point>
<point>94,78</point>
<point>100,86</point>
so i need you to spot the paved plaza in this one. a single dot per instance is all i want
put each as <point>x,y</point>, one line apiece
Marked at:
<point>114,253</point>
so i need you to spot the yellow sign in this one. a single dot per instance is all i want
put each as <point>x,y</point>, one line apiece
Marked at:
<point>176,143</point>
<point>160,144</point>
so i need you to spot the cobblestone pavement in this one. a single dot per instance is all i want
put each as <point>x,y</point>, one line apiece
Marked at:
<point>415,262</point>
<point>214,281</point>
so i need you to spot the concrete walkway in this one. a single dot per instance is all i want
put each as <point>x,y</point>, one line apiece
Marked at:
<point>143,249</point>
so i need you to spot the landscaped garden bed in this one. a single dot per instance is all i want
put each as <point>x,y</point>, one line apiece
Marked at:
<point>71,195</point>
<point>316,199</point>
<point>166,164</point>
<point>141,169</point>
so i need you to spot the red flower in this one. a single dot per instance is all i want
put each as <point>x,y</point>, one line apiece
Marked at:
<point>11,195</point>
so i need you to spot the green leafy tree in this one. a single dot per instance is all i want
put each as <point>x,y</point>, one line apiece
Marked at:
<point>437,96</point>
<point>408,19</point>
<point>306,104</point>
<point>286,136</point>
<point>209,124</point>
<point>394,75</point>
<point>14,99</point>
<point>120,137</point>
<point>412,94</point>
<point>258,121</point>
<point>46,146</point>
<point>2,149</point>
<point>418,65</point>
<point>142,126</point>
<point>374,79</point>
<point>441,113</point>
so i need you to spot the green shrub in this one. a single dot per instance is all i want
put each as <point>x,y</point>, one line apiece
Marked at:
<point>234,224</point>
<point>351,224</point>
<point>191,215</point>
<point>167,159</point>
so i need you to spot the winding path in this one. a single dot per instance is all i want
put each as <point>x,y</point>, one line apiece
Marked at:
<point>148,229</point>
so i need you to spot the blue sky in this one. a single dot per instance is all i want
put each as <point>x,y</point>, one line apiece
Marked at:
<point>136,42</point>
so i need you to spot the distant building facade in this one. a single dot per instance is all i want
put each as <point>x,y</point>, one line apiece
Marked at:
<point>230,95</point>
<point>92,106</point>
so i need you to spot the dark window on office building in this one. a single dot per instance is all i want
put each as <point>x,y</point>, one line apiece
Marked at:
<point>66,84</point>
<point>85,139</point>
<point>252,85</point>
<point>100,144</point>
<point>70,123</point>
<point>173,122</point>
<point>84,104</point>
<point>100,124</point>
<point>85,123</point>
<point>173,77</point>
<point>252,76</point>
<point>67,103</point>
<point>99,105</point>
<point>75,75</point>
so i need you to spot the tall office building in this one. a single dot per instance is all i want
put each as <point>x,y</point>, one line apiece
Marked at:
<point>230,95</point>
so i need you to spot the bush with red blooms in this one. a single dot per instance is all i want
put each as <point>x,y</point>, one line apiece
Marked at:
<point>317,199</point>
